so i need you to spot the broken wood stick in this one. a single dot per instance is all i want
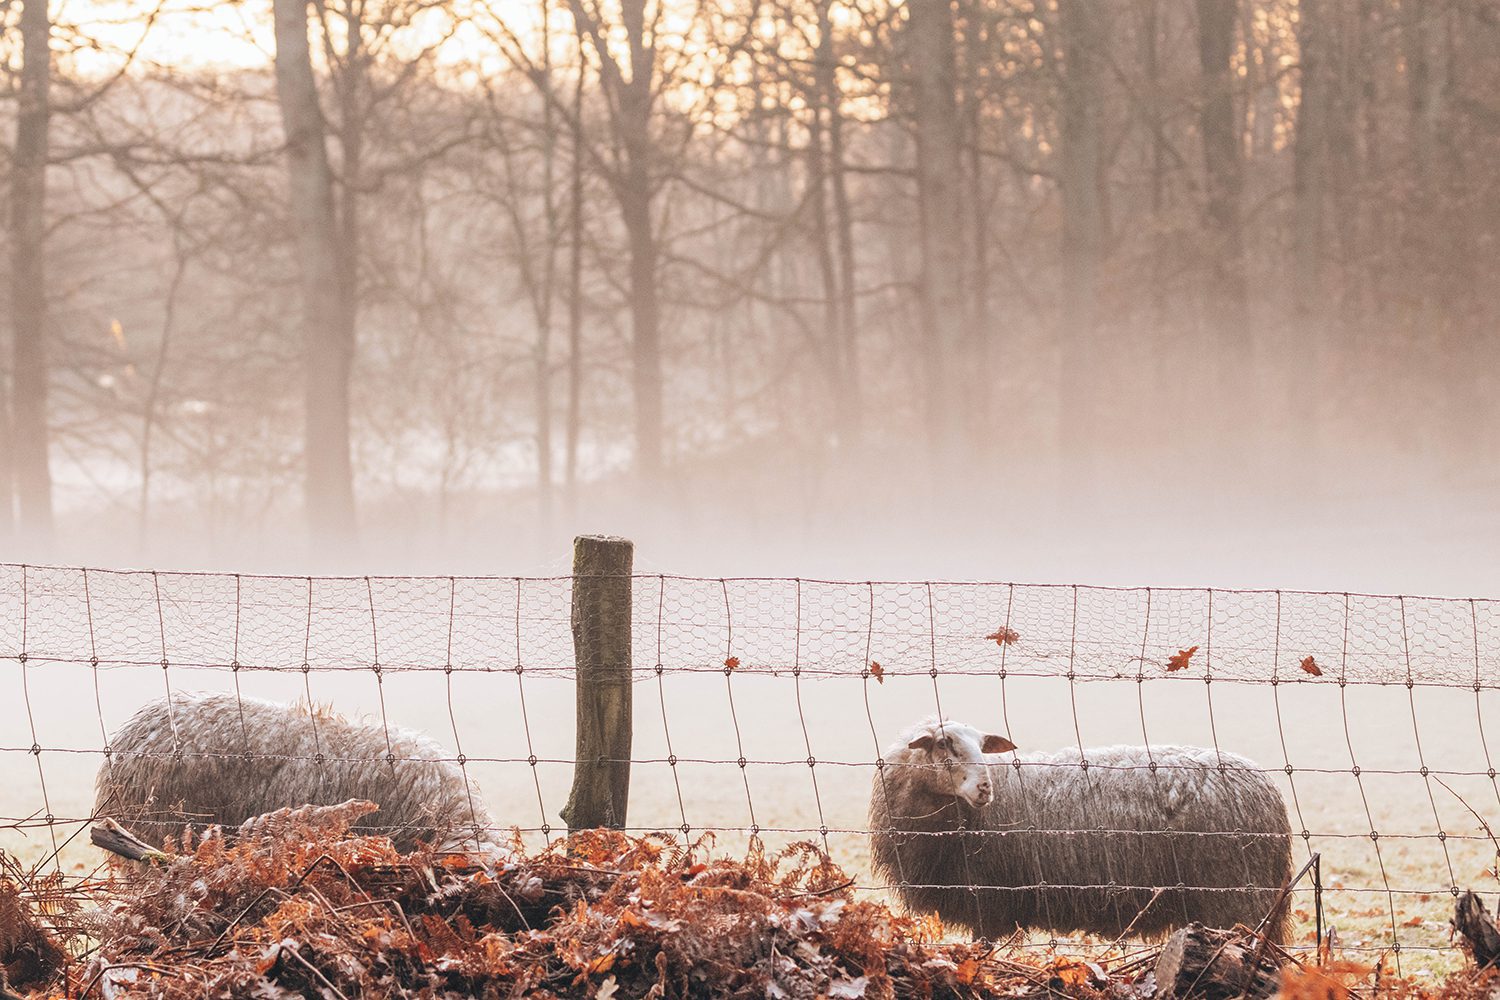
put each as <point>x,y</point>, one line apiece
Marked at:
<point>113,837</point>
<point>1207,964</point>
<point>1477,929</point>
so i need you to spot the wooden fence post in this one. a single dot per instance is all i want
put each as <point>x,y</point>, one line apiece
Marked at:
<point>601,646</point>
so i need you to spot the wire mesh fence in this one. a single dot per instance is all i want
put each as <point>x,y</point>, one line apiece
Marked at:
<point>766,707</point>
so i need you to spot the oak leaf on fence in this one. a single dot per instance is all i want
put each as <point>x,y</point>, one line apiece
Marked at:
<point>1310,666</point>
<point>1005,636</point>
<point>731,662</point>
<point>877,671</point>
<point>1179,661</point>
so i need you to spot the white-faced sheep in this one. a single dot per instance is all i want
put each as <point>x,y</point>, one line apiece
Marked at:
<point>1106,841</point>
<point>198,759</point>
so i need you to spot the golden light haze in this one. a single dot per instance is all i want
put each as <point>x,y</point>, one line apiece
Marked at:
<point>237,35</point>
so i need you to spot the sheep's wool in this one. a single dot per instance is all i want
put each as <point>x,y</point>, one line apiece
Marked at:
<point>1139,839</point>
<point>198,759</point>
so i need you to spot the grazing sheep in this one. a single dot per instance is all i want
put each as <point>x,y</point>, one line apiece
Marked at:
<point>1046,841</point>
<point>199,759</point>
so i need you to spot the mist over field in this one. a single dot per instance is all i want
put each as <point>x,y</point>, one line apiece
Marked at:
<point>1130,292</point>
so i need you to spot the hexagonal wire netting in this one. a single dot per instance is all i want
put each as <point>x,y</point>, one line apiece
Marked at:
<point>764,707</point>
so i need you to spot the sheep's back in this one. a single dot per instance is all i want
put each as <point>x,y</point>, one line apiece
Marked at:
<point>1189,789</point>
<point>212,758</point>
<point>1200,819</point>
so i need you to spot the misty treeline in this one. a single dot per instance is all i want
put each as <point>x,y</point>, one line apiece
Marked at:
<point>435,258</point>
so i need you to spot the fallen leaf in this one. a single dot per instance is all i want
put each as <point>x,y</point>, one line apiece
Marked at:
<point>268,960</point>
<point>1413,922</point>
<point>1180,661</point>
<point>731,662</point>
<point>848,989</point>
<point>877,671</point>
<point>1006,636</point>
<point>1071,971</point>
<point>929,928</point>
<point>1310,666</point>
<point>607,989</point>
<point>966,971</point>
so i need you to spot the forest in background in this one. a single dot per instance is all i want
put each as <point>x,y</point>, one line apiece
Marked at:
<point>445,279</point>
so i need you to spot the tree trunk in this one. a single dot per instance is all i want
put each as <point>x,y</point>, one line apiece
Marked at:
<point>645,321</point>
<point>29,427</point>
<point>1156,119</point>
<point>1310,157</point>
<point>1217,24</point>
<point>1081,180</point>
<point>977,44</point>
<point>544,296</point>
<point>638,193</point>
<point>939,174</point>
<point>634,183</point>
<point>1427,85</point>
<point>153,394</point>
<point>825,343</point>
<point>1224,174</point>
<point>846,328</point>
<point>575,292</point>
<point>327,298</point>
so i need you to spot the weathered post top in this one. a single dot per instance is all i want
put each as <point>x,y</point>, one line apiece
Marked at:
<point>603,553</point>
<point>602,566</point>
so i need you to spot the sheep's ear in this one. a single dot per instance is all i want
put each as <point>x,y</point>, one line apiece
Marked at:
<point>923,742</point>
<point>996,744</point>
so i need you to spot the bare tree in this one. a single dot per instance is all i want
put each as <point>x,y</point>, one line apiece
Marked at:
<point>537,246</point>
<point>1220,131</point>
<point>635,178</point>
<point>573,426</point>
<point>1310,156</point>
<point>930,33</point>
<point>182,258</point>
<point>327,299</point>
<point>29,431</point>
<point>1084,220</point>
<point>835,226</point>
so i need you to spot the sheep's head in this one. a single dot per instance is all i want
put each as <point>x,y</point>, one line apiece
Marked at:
<point>948,760</point>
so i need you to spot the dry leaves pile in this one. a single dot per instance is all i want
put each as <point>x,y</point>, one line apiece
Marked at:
<point>29,954</point>
<point>297,907</point>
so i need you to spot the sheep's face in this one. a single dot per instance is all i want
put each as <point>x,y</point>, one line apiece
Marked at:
<point>951,756</point>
